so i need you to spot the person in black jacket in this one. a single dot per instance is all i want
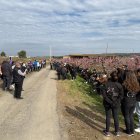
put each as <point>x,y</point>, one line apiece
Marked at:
<point>112,95</point>
<point>18,80</point>
<point>64,72</point>
<point>131,88</point>
<point>6,75</point>
<point>58,69</point>
<point>73,72</point>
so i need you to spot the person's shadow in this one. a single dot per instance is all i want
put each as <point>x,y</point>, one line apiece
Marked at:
<point>1,84</point>
<point>100,118</point>
<point>88,117</point>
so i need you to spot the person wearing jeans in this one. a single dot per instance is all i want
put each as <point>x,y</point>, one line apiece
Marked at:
<point>129,118</point>
<point>131,88</point>
<point>114,109</point>
<point>112,93</point>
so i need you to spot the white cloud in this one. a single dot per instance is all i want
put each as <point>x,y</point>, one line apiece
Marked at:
<point>69,24</point>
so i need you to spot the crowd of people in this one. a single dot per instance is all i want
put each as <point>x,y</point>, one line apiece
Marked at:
<point>13,74</point>
<point>120,89</point>
<point>63,70</point>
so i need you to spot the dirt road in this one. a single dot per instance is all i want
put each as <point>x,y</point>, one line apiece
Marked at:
<point>34,117</point>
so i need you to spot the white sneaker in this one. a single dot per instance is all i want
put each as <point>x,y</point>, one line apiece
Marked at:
<point>137,130</point>
<point>12,86</point>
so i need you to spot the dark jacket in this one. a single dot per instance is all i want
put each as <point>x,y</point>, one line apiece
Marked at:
<point>23,70</point>
<point>73,71</point>
<point>138,95</point>
<point>6,69</point>
<point>16,77</point>
<point>112,93</point>
<point>129,98</point>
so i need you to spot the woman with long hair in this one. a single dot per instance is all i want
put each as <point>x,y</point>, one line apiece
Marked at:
<point>131,88</point>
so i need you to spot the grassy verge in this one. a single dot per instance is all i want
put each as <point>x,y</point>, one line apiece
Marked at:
<point>79,89</point>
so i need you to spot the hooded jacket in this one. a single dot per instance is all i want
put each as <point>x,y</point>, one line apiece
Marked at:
<point>6,69</point>
<point>112,93</point>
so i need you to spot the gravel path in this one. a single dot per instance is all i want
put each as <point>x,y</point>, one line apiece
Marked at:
<point>34,117</point>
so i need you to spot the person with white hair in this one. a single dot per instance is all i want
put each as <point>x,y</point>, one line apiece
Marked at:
<point>18,80</point>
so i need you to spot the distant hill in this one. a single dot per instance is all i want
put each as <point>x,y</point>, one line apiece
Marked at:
<point>123,54</point>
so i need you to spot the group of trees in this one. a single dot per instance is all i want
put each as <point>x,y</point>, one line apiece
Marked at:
<point>3,54</point>
<point>21,54</point>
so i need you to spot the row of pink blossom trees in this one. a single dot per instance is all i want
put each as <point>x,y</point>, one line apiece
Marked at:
<point>104,63</point>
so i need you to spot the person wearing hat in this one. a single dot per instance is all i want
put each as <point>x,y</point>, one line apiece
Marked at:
<point>18,80</point>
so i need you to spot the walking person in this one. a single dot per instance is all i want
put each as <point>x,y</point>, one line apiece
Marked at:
<point>18,80</point>
<point>112,93</point>
<point>131,88</point>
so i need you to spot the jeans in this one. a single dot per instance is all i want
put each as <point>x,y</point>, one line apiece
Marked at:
<point>138,112</point>
<point>6,82</point>
<point>18,89</point>
<point>114,110</point>
<point>129,118</point>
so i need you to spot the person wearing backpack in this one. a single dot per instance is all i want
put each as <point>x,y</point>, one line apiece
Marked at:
<point>112,95</point>
<point>131,88</point>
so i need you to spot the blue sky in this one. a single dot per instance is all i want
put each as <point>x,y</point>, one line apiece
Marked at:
<point>69,26</point>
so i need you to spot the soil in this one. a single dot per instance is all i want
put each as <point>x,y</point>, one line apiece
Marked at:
<point>35,116</point>
<point>50,113</point>
<point>81,121</point>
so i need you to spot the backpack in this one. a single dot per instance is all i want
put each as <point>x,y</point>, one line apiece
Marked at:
<point>111,93</point>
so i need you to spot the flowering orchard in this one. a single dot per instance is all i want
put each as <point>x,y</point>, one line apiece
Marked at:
<point>104,64</point>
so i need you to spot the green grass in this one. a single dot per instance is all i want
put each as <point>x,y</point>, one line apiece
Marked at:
<point>85,92</point>
<point>78,88</point>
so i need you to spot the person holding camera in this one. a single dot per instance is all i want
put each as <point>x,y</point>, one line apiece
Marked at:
<point>18,80</point>
<point>112,93</point>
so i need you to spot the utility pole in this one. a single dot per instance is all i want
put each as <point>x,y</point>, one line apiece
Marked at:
<point>50,53</point>
<point>107,49</point>
<point>133,51</point>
